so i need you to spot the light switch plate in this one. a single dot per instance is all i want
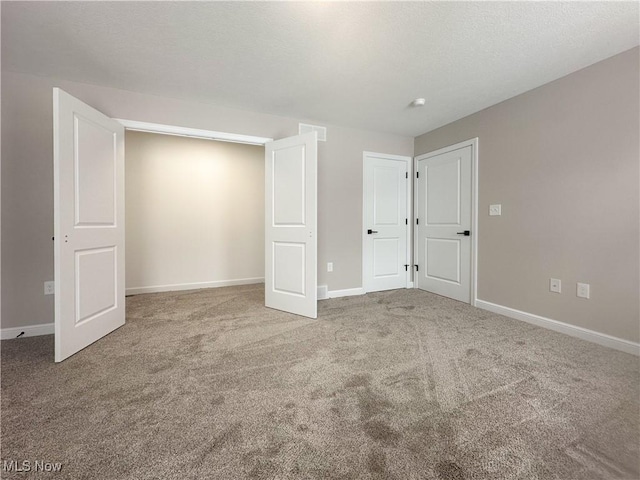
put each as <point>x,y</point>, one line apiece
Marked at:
<point>495,210</point>
<point>330,267</point>
<point>582,290</point>
<point>49,288</point>
<point>555,285</point>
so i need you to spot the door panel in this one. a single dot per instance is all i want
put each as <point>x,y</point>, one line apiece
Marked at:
<point>385,214</point>
<point>443,193</point>
<point>291,225</point>
<point>289,200</point>
<point>88,224</point>
<point>442,259</point>
<point>96,287</point>
<point>444,211</point>
<point>385,257</point>
<point>290,274</point>
<point>386,206</point>
<point>95,160</point>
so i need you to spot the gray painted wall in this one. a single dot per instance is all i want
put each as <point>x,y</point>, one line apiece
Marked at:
<point>27,180</point>
<point>563,160</point>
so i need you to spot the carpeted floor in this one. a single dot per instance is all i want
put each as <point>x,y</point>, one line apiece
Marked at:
<point>402,384</point>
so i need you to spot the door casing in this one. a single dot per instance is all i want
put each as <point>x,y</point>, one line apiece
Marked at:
<point>473,143</point>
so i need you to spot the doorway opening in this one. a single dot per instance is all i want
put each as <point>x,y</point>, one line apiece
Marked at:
<point>89,231</point>
<point>194,211</point>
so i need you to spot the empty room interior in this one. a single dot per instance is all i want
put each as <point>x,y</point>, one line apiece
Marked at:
<point>320,240</point>
<point>194,213</point>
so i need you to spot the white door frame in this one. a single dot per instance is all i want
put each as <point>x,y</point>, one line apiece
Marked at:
<point>401,158</point>
<point>473,143</point>
<point>191,132</point>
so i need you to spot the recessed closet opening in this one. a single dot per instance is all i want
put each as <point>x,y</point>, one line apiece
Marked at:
<point>194,213</point>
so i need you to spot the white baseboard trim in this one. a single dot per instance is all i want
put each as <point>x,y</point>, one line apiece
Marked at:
<point>410,285</point>
<point>348,292</point>
<point>572,330</point>
<point>29,331</point>
<point>192,286</point>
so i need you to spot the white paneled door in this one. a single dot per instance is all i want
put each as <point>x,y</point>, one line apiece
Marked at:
<point>385,250</point>
<point>88,224</point>
<point>291,243</point>
<point>444,186</point>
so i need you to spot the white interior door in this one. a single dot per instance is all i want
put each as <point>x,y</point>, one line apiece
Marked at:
<point>291,257</point>
<point>444,223</point>
<point>385,250</point>
<point>88,224</point>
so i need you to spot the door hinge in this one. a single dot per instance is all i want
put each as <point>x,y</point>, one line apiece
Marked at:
<point>417,222</point>
<point>417,174</point>
<point>406,221</point>
<point>417,268</point>
<point>406,268</point>
<point>406,174</point>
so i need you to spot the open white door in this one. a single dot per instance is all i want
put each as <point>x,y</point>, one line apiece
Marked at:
<point>88,224</point>
<point>444,217</point>
<point>291,245</point>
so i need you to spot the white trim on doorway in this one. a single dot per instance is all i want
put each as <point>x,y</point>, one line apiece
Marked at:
<point>409,162</point>
<point>191,132</point>
<point>473,143</point>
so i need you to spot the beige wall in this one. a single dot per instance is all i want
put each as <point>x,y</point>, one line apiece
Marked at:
<point>27,180</point>
<point>194,211</point>
<point>563,160</point>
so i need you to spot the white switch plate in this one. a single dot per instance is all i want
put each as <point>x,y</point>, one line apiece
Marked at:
<point>330,267</point>
<point>495,210</point>
<point>49,288</point>
<point>555,285</point>
<point>583,290</point>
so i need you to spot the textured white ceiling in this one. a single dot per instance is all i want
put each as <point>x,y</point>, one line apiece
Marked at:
<point>353,64</point>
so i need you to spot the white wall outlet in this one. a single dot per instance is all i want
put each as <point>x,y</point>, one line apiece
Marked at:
<point>330,267</point>
<point>555,285</point>
<point>583,290</point>
<point>495,210</point>
<point>49,288</point>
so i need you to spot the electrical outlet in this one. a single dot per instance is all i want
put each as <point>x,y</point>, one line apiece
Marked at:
<point>582,290</point>
<point>49,288</point>
<point>495,210</point>
<point>330,267</point>
<point>555,285</point>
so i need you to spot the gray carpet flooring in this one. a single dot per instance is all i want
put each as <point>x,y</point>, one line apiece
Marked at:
<point>401,384</point>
